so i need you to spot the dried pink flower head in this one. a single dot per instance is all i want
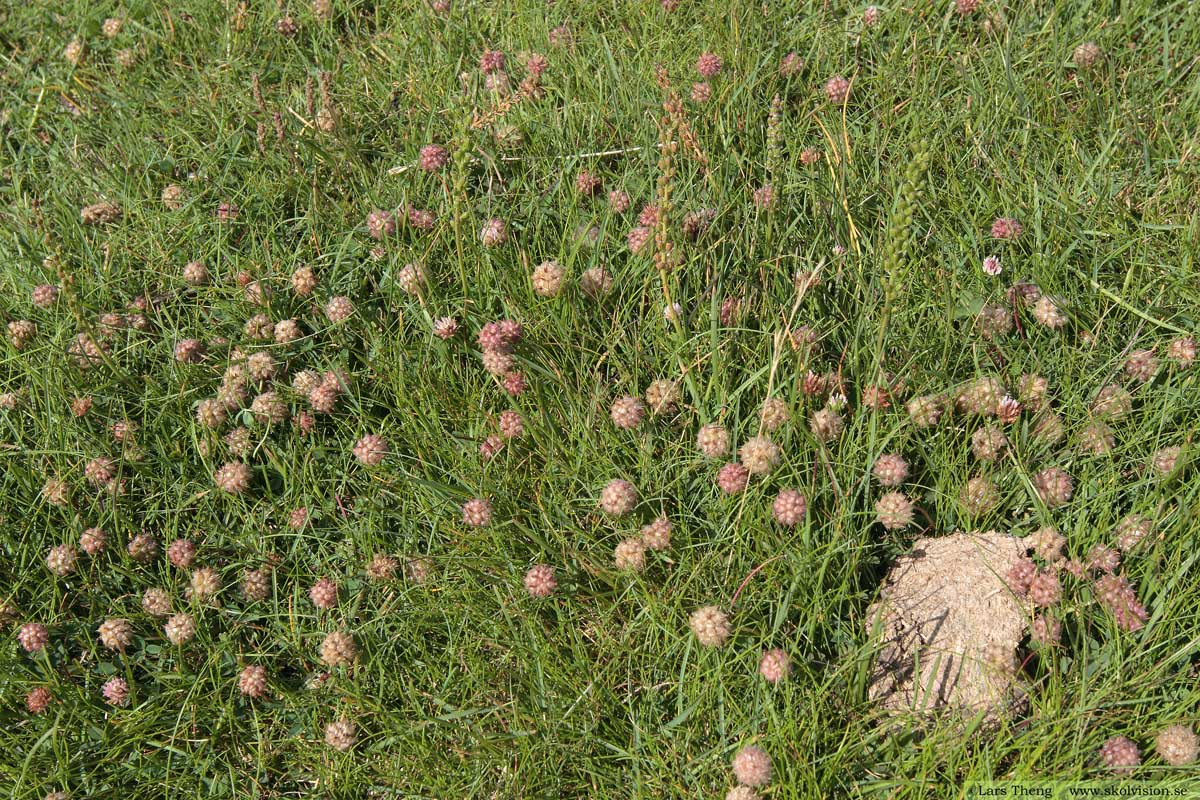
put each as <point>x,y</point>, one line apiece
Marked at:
<point>733,478</point>
<point>1087,55</point>
<point>493,233</point>
<point>1182,351</point>
<point>256,584</point>
<point>205,583</point>
<point>1047,543</point>
<point>657,534</point>
<point>116,633</point>
<point>44,295</point>
<point>1141,365</point>
<point>1044,588</point>
<point>1132,530</point>
<point>477,512</point>
<point>20,332</point>
<point>618,497</point>
<point>713,440</point>
<point>61,560</point>
<point>1046,312</point>
<point>181,553</point>
<point>433,157</point>
<point>837,89</point>
<point>304,280</point>
<point>172,197</point>
<point>338,309</point>
<point>1177,745</point>
<point>411,277</point>
<point>445,327</point>
<point>370,450</point>
<point>627,412</point>
<point>894,511</point>
<point>233,477</point>
<point>1006,228</point>
<point>1112,401</point>
<point>1102,558</point>
<point>710,625</point>
<point>752,766</point>
<point>142,548</point>
<point>764,197</point>
<point>662,395</point>
<point>708,65</point>
<point>156,602</point>
<point>1054,486</point>
<point>32,637</point>
<point>1045,630</point>
<point>490,447</point>
<point>514,384</point>
<point>38,700</point>
<point>252,681</point>
<point>1118,596</point>
<point>789,507</point>
<point>596,282</point>
<point>826,425</point>
<point>638,238</point>
<point>1097,438</point>
<point>979,496</point>
<point>341,735</point>
<point>338,649</point>
<point>630,555</point>
<point>791,64</point>
<point>1166,460</point>
<point>701,92</point>
<point>890,469</point>
<point>547,279</point>
<point>92,541</point>
<point>925,410</point>
<point>540,580</point>
<point>380,224</point>
<point>759,455</point>
<point>510,423</point>
<point>586,183</point>
<point>323,594</point>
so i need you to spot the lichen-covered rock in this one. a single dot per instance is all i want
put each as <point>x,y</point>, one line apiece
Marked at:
<point>948,628</point>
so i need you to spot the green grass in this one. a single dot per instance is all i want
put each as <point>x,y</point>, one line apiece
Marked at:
<point>466,687</point>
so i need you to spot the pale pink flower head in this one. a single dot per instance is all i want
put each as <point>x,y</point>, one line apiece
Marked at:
<point>371,449</point>
<point>733,478</point>
<point>775,665</point>
<point>445,327</point>
<point>618,201</point>
<point>491,61</point>
<point>789,507</point>
<point>540,580</point>
<point>433,157</point>
<point>837,89</point>
<point>708,65</point>
<point>1006,228</point>
<point>381,224</point>
<point>791,64</point>
<point>494,232</point>
<point>618,497</point>
<point>752,766</point>
<point>991,265</point>
<point>477,512</point>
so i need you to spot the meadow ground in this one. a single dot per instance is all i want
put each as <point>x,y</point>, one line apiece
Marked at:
<point>536,248</point>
